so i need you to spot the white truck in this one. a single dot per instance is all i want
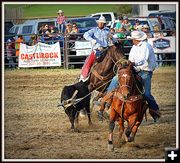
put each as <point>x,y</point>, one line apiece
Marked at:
<point>109,16</point>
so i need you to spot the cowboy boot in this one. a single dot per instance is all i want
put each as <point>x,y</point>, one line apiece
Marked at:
<point>155,114</point>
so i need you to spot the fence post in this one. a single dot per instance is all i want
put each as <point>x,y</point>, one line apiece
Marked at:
<point>66,52</point>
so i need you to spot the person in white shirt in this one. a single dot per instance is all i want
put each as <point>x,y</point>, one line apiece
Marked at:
<point>143,57</point>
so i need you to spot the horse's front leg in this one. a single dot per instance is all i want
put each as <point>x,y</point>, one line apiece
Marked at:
<point>110,137</point>
<point>113,115</point>
<point>131,123</point>
<point>121,128</point>
<point>134,130</point>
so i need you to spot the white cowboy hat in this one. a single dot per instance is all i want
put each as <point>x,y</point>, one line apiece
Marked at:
<point>60,11</point>
<point>137,35</point>
<point>101,19</point>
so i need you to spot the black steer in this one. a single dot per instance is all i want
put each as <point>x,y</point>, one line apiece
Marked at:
<point>71,93</point>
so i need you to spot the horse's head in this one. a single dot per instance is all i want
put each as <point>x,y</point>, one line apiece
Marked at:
<point>125,77</point>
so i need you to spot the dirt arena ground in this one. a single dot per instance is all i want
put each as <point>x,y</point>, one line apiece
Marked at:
<point>34,128</point>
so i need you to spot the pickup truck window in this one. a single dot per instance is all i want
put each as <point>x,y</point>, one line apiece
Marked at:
<point>107,17</point>
<point>27,29</point>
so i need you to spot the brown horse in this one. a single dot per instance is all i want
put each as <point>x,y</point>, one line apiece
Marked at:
<point>102,71</point>
<point>127,105</point>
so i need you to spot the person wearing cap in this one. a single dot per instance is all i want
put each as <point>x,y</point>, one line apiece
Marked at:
<point>143,57</point>
<point>100,38</point>
<point>61,19</point>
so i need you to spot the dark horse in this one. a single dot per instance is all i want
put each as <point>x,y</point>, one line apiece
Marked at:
<point>127,105</point>
<point>102,71</point>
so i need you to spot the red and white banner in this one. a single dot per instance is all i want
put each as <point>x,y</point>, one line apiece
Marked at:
<point>39,55</point>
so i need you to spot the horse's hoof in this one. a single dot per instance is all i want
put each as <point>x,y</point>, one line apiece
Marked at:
<point>129,139</point>
<point>90,124</point>
<point>110,147</point>
<point>75,130</point>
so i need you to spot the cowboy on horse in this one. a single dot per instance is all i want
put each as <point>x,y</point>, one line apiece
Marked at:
<point>100,38</point>
<point>143,58</point>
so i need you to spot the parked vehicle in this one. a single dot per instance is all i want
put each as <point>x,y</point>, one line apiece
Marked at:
<point>167,24</point>
<point>84,23</point>
<point>171,14</point>
<point>109,16</point>
<point>8,25</point>
<point>147,8</point>
<point>30,27</point>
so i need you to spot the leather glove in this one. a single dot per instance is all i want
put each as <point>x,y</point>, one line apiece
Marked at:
<point>100,48</point>
<point>93,42</point>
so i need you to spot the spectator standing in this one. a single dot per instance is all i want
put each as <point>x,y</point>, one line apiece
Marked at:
<point>17,44</point>
<point>158,34</point>
<point>61,19</point>
<point>10,51</point>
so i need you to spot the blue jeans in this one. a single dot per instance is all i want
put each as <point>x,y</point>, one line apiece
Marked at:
<point>114,84</point>
<point>60,27</point>
<point>146,79</point>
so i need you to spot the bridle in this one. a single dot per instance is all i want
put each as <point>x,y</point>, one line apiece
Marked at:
<point>125,75</point>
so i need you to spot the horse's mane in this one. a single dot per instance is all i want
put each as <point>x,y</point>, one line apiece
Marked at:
<point>119,47</point>
<point>101,58</point>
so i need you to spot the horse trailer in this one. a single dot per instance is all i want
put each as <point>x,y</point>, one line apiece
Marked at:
<point>143,10</point>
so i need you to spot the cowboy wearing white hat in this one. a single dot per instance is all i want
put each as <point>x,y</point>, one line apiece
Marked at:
<point>137,35</point>
<point>99,38</point>
<point>101,20</point>
<point>143,57</point>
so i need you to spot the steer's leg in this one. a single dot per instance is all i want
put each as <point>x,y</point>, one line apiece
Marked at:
<point>89,114</point>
